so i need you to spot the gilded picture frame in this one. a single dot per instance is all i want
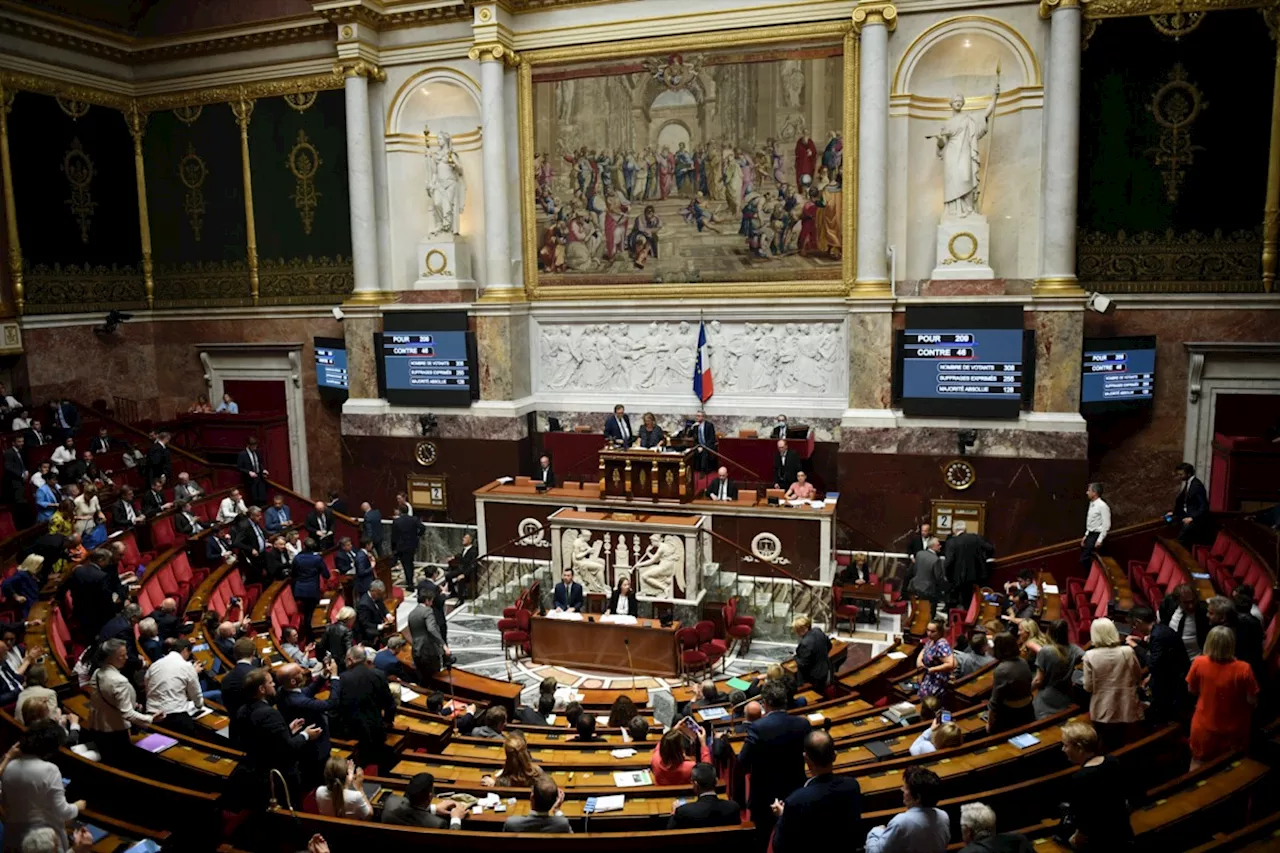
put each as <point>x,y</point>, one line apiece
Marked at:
<point>532,61</point>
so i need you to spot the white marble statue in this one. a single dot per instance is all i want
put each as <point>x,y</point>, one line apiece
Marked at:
<point>957,143</point>
<point>659,565</point>
<point>446,186</point>
<point>588,566</point>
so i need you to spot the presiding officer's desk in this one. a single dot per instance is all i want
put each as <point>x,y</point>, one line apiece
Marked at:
<point>591,644</point>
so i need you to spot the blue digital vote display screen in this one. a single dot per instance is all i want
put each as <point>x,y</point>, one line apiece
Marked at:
<point>1117,373</point>
<point>962,361</point>
<point>331,366</point>
<point>427,358</point>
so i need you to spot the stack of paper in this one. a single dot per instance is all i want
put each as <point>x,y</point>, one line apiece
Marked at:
<point>612,803</point>
<point>1051,589</point>
<point>622,753</point>
<point>896,655</point>
<point>709,714</point>
<point>407,695</point>
<point>632,778</point>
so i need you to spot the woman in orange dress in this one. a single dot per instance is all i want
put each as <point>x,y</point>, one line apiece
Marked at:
<point>1226,692</point>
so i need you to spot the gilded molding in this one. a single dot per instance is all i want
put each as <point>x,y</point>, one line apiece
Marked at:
<point>849,196</point>
<point>1172,262</point>
<point>10,208</point>
<point>359,68</point>
<point>677,44</point>
<point>1133,8</point>
<point>1271,209</point>
<point>227,94</point>
<point>137,122</point>
<point>51,289</point>
<point>880,14</point>
<point>1048,7</point>
<point>493,52</point>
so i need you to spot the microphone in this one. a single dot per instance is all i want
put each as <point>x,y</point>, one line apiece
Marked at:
<point>626,641</point>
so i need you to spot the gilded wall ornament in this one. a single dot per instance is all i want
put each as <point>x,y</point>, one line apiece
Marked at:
<point>188,113</point>
<point>1171,262</point>
<point>301,101</point>
<point>1177,24</point>
<point>1175,106</point>
<point>304,161</point>
<point>192,172</point>
<point>72,107</point>
<point>79,170</point>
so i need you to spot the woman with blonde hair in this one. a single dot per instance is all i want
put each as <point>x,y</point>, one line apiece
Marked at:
<point>1225,691</point>
<point>1030,639</point>
<point>1097,815</point>
<point>518,769</point>
<point>87,507</point>
<point>23,586</point>
<point>342,794</point>
<point>1111,677</point>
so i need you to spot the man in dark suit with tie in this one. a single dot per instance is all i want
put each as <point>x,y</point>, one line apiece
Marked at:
<point>817,811</point>
<point>779,428</point>
<point>722,488</point>
<point>184,520</point>
<point>772,754</point>
<point>965,557</point>
<point>36,435</point>
<point>617,428</point>
<point>296,700</point>
<point>153,502</point>
<point>919,540</point>
<point>159,462</point>
<point>15,484</point>
<point>371,615</point>
<point>123,515</point>
<point>366,709</point>
<point>371,526</point>
<point>269,743</point>
<point>254,474</point>
<point>102,442</point>
<point>406,531</point>
<point>345,560</point>
<point>1164,656</point>
<point>786,464</point>
<point>250,544</point>
<point>244,659</point>
<point>568,593</point>
<point>217,545</point>
<point>308,568</point>
<point>545,474</point>
<point>706,810</point>
<point>461,576</point>
<point>703,433</point>
<point>320,523</point>
<point>1191,507</point>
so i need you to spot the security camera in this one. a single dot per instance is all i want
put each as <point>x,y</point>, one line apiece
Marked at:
<point>1100,304</point>
<point>112,323</point>
<point>427,424</point>
<point>965,439</point>
<point>338,314</point>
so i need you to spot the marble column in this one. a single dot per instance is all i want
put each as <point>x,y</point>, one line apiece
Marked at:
<point>873,24</point>
<point>358,328</point>
<point>364,231</point>
<point>871,358</point>
<point>498,285</point>
<point>1062,151</point>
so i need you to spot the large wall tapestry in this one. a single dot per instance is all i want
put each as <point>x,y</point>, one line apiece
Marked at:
<point>715,166</point>
<point>1173,152</point>
<point>76,186</point>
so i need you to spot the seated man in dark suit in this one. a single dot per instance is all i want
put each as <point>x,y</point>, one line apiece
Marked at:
<point>153,501</point>
<point>708,697</point>
<point>123,515</point>
<point>772,754</point>
<point>462,571</point>
<point>818,809</point>
<point>706,809</point>
<point>537,717</point>
<point>544,806</point>
<point>345,560</point>
<point>545,474</point>
<point>722,488</point>
<point>568,594</point>
<point>217,546</point>
<point>415,808</point>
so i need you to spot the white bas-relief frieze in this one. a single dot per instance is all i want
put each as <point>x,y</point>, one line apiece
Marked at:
<point>748,359</point>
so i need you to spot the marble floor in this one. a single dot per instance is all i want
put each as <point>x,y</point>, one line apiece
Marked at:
<point>474,639</point>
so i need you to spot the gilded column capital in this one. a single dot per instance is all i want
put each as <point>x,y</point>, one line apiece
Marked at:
<point>359,68</point>
<point>1048,7</point>
<point>493,52</point>
<point>875,14</point>
<point>242,109</point>
<point>136,119</point>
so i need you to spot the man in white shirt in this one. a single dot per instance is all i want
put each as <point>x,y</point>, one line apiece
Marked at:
<point>232,506</point>
<point>8,401</point>
<point>1097,523</point>
<point>37,479</point>
<point>173,687</point>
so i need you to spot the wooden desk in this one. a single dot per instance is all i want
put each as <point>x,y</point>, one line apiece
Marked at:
<point>603,645</point>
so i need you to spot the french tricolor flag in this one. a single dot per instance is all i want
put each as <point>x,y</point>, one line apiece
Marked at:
<point>703,387</point>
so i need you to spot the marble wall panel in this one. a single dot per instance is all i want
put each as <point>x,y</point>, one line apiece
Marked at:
<point>406,425</point>
<point>362,364</point>
<point>1135,454</point>
<point>1058,342</point>
<point>870,360</point>
<point>991,442</point>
